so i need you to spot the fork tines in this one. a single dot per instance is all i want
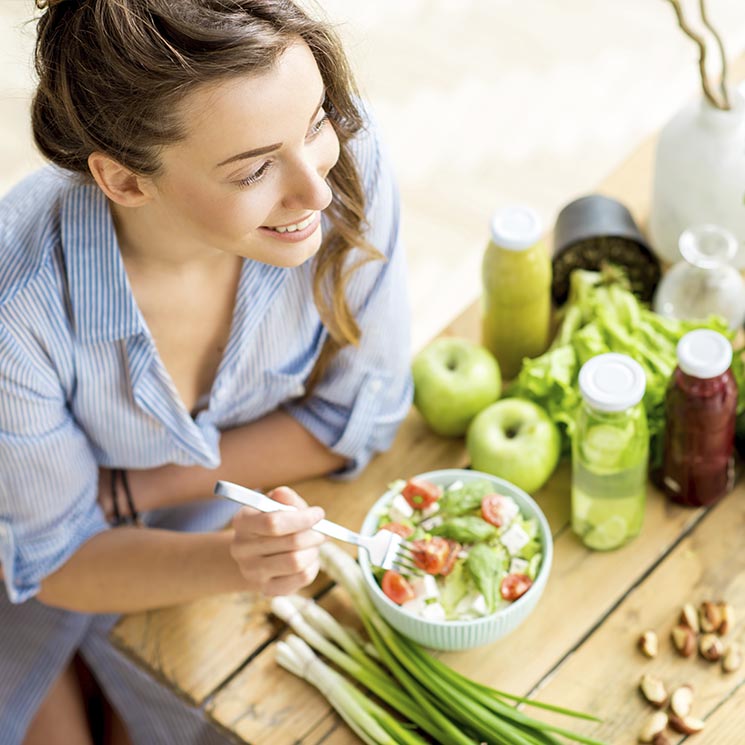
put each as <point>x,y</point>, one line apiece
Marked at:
<point>401,557</point>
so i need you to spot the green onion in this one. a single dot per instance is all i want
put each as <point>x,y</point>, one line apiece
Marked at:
<point>297,657</point>
<point>460,708</point>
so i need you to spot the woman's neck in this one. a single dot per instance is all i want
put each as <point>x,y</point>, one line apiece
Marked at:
<point>151,243</point>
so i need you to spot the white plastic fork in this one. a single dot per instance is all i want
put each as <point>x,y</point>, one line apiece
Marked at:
<point>385,549</point>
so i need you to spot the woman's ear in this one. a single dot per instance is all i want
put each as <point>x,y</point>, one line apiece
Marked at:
<point>118,183</point>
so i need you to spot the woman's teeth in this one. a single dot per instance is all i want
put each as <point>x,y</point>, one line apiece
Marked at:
<point>297,226</point>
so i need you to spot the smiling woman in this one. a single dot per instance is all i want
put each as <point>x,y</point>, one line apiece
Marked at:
<point>207,283</point>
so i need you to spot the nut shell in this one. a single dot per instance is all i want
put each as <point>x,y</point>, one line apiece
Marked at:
<point>653,689</point>
<point>653,725</point>
<point>728,618</point>
<point>686,725</point>
<point>648,644</point>
<point>710,647</point>
<point>681,701</point>
<point>689,617</point>
<point>710,617</point>
<point>732,658</point>
<point>661,739</point>
<point>684,640</point>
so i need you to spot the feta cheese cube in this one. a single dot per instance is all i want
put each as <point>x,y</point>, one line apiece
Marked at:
<point>518,566</point>
<point>467,603</point>
<point>431,590</point>
<point>455,486</point>
<point>479,605</point>
<point>509,510</point>
<point>414,607</point>
<point>433,612</point>
<point>514,539</point>
<point>425,587</point>
<point>429,511</point>
<point>431,522</point>
<point>400,509</point>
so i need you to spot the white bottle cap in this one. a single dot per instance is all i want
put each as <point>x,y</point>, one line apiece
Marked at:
<point>612,382</point>
<point>704,354</point>
<point>516,228</point>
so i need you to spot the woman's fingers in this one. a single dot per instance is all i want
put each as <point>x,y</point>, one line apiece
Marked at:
<point>287,496</point>
<point>267,546</point>
<point>292,582</point>
<point>277,552</point>
<point>248,522</point>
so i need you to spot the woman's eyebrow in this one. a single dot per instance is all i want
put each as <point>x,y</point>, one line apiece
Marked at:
<point>268,148</point>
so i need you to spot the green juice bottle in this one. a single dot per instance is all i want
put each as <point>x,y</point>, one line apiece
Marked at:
<point>610,452</point>
<point>516,302</point>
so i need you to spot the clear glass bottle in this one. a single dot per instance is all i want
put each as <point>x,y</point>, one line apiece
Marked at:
<point>610,453</point>
<point>705,283</point>
<point>516,301</point>
<point>698,465</point>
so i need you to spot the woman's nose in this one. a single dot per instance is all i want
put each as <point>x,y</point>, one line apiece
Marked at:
<point>307,188</point>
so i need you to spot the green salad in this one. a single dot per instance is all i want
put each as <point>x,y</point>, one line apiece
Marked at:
<point>474,550</point>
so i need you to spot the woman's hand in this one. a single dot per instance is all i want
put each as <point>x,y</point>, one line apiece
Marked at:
<point>277,552</point>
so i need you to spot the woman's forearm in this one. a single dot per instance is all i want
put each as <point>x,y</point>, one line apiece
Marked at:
<point>270,451</point>
<point>131,569</point>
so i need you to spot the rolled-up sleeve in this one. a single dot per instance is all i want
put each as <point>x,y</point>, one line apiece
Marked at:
<point>358,406</point>
<point>48,473</point>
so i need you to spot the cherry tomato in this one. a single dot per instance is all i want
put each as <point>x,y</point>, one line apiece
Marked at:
<point>420,493</point>
<point>431,555</point>
<point>515,586</point>
<point>399,529</point>
<point>397,587</point>
<point>452,557</point>
<point>493,509</point>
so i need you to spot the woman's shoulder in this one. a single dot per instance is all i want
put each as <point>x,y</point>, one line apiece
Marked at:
<point>29,227</point>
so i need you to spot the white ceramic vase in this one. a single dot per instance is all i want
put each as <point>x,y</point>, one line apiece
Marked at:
<point>699,176</point>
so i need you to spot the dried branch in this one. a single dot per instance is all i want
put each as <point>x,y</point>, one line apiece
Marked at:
<point>722,54</point>
<point>688,31</point>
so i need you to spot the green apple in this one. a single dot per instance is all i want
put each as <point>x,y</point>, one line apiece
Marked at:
<point>454,379</point>
<point>516,440</point>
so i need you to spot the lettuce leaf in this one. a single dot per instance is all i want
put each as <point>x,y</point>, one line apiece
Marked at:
<point>602,316</point>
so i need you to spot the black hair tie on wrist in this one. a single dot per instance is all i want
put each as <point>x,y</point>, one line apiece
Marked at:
<point>133,518</point>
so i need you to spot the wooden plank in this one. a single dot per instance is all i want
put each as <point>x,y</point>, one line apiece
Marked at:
<point>724,726</point>
<point>193,648</point>
<point>602,675</point>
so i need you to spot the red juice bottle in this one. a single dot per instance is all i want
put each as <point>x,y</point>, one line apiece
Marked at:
<point>698,465</point>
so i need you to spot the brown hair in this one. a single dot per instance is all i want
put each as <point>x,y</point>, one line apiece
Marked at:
<point>112,71</point>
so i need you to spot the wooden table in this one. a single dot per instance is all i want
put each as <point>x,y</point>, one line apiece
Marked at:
<point>577,649</point>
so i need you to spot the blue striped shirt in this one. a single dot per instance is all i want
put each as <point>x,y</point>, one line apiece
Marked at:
<point>82,385</point>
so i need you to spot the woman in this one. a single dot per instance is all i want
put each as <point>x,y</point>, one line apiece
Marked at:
<point>206,284</point>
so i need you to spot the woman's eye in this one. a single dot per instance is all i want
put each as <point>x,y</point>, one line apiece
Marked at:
<point>256,175</point>
<point>318,126</point>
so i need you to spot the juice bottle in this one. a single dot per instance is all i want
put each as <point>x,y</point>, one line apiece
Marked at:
<point>516,304</point>
<point>700,408</point>
<point>610,452</point>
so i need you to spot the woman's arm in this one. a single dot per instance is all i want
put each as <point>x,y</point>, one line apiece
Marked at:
<point>132,569</point>
<point>272,450</point>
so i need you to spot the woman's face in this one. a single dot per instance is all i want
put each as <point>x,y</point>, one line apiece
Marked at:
<point>250,176</point>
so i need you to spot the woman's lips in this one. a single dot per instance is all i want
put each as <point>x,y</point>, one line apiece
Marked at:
<point>297,235</point>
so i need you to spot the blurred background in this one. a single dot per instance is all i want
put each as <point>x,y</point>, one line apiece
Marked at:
<point>482,103</point>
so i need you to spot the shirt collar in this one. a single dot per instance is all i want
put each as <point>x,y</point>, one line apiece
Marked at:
<point>102,301</point>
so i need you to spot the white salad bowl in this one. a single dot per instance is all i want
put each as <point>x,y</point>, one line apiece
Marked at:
<point>464,634</point>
